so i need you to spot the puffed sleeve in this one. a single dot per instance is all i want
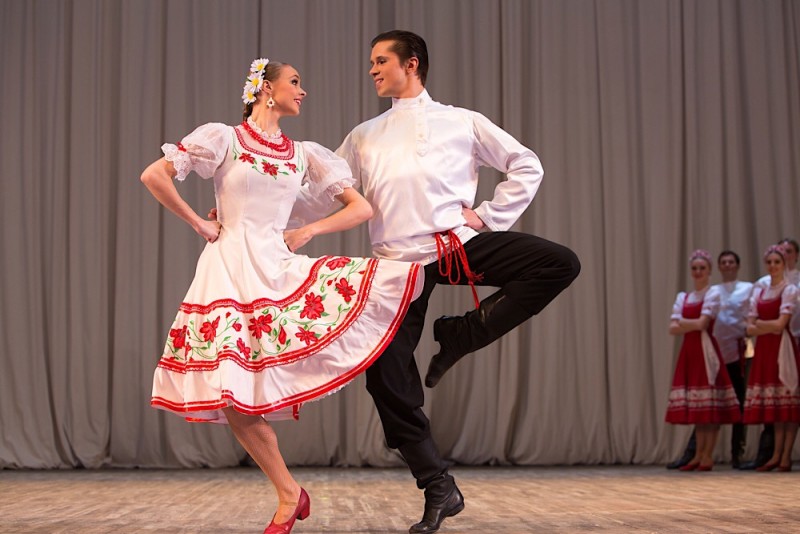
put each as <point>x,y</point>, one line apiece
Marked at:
<point>677,308</point>
<point>789,300</point>
<point>349,153</point>
<point>744,307</point>
<point>711,302</point>
<point>753,311</point>
<point>202,151</point>
<point>764,281</point>
<point>327,175</point>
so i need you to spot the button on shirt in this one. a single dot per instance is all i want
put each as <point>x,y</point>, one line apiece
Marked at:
<point>732,317</point>
<point>417,164</point>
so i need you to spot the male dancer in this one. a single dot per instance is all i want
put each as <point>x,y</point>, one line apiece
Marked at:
<point>766,441</point>
<point>729,331</point>
<point>417,165</point>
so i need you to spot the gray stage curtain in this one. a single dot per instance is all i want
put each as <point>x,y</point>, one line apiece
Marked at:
<point>663,126</point>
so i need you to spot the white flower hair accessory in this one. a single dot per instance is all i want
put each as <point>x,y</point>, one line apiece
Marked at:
<point>255,80</point>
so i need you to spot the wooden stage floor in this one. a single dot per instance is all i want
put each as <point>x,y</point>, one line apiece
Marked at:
<point>508,500</point>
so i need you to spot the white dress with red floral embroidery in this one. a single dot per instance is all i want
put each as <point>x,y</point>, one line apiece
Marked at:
<point>261,328</point>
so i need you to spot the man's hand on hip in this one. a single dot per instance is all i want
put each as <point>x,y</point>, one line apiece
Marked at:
<point>473,221</point>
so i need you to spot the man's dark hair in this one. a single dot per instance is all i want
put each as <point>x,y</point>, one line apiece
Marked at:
<point>407,45</point>
<point>790,241</point>
<point>729,253</point>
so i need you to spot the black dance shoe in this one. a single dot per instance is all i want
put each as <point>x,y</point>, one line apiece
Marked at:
<point>458,336</point>
<point>444,329</point>
<point>736,462</point>
<point>437,509</point>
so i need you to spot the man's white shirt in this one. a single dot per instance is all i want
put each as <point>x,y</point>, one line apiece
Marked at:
<point>731,319</point>
<point>417,165</point>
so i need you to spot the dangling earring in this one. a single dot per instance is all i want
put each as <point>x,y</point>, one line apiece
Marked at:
<point>270,103</point>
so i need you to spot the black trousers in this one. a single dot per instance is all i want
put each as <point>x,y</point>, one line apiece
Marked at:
<point>736,374</point>
<point>529,270</point>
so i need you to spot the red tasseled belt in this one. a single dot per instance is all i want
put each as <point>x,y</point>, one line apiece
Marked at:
<point>449,255</point>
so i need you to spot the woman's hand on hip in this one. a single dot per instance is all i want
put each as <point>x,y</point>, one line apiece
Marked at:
<point>295,239</point>
<point>208,230</point>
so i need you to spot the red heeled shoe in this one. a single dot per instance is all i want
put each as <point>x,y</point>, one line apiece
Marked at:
<point>302,511</point>
<point>702,467</point>
<point>689,467</point>
<point>785,468</point>
<point>767,467</point>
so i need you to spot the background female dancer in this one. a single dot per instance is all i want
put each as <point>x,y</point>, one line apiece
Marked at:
<point>701,392</point>
<point>772,387</point>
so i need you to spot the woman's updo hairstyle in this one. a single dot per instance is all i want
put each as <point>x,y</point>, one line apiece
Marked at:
<point>271,73</point>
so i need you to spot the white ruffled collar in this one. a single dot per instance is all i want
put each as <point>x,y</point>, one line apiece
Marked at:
<point>272,137</point>
<point>700,292</point>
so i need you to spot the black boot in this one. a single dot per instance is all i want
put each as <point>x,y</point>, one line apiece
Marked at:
<point>688,454</point>
<point>442,497</point>
<point>737,445</point>
<point>766,446</point>
<point>458,336</point>
<point>442,500</point>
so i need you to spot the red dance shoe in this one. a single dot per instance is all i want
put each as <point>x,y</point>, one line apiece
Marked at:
<point>302,511</point>
<point>689,467</point>
<point>767,467</point>
<point>702,467</point>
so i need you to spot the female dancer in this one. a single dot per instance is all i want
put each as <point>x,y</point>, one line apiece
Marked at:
<point>701,392</point>
<point>263,330</point>
<point>772,388</point>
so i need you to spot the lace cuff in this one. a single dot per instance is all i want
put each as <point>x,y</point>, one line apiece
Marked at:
<point>338,188</point>
<point>179,158</point>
